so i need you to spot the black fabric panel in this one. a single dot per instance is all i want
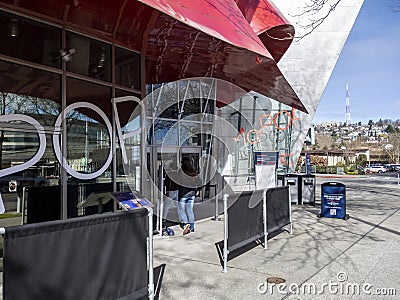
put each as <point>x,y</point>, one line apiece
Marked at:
<point>245,225</point>
<point>278,214</point>
<point>94,257</point>
<point>44,204</point>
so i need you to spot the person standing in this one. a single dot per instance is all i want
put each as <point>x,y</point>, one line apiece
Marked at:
<point>187,194</point>
<point>171,188</point>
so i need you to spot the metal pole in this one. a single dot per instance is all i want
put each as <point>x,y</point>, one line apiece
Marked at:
<point>226,251</point>
<point>160,213</point>
<point>290,214</point>
<point>265,219</point>
<point>23,205</point>
<point>18,203</point>
<point>216,216</point>
<point>150,253</point>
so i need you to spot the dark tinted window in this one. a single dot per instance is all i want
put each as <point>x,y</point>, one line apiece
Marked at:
<point>88,57</point>
<point>44,41</point>
<point>127,68</point>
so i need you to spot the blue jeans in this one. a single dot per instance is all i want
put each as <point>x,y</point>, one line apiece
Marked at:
<point>186,203</point>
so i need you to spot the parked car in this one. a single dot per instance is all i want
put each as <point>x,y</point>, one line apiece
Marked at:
<point>393,167</point>
<point>361,170</point>
<point>375,169</point>
<point>22,179</point>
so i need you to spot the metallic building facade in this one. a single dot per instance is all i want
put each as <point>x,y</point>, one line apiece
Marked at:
<point>213,82</point>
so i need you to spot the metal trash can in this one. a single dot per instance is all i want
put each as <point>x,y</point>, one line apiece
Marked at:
<point>307,189</point>
<point>292,180</point>
<point>281,179</point>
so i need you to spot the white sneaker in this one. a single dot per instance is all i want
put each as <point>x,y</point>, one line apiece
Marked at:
<point>186,229</point>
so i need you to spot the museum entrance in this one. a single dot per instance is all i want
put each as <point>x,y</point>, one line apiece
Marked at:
<point>162,159</point>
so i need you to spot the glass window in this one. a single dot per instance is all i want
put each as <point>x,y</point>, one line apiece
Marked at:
<point>88,137</point>
<point>190,109</point>
<point>163,101</point>
<point>29,91</point>
<point>126,109</point>
<point>88,57</point>
<point>129,174</point>
<point>149,129</point>
<point>29,40</point>
<point>35,94</point>
<point>127,68</point>
<point>207,109</point>
<point>84,91</point>
<point>169,111</point>
<point>165,132</point>
<point>207,138</point>
<point>190,134</point>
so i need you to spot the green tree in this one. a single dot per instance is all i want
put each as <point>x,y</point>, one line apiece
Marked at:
<point>361,160</point>
<point>390,129</point>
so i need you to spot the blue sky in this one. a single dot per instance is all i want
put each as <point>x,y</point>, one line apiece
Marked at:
<point>370,63</point>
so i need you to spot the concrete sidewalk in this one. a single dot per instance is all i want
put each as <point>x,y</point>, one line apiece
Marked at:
<point>323,259</point>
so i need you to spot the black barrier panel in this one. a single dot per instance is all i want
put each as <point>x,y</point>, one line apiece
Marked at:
<point>91,258</point>
<point>278,210</point>
<point>245,219</point>
<point>44,204</point>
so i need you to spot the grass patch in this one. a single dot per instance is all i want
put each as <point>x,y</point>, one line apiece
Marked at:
<point>10,215</point>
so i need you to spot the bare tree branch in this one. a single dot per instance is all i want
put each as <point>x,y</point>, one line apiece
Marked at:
<point>396,8</point>
<point>313,8</point>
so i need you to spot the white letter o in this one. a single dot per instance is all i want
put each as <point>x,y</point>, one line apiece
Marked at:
<point>56,142</point>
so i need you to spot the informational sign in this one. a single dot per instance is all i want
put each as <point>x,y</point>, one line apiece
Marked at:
<point>12,186</point>
<point>265,166</point>
<point>131,200</point>
<point>333,200</point>
<point>308,164</point>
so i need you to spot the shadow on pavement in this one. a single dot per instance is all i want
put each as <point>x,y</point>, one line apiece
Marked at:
<point>237,252</point>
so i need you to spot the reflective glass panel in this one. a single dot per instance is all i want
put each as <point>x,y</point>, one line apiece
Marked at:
<point>88,57</point>
<point>29,40</point>
<point>88,138</point>
<point>30,99</point>
<point>165,132</point>
<point>190,109</point>
<point>127,68</point>
<point>190,134</point>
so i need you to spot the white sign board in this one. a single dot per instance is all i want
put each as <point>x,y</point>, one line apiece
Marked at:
<point>265,165</point>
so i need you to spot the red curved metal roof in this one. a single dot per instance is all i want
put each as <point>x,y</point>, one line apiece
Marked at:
<point>238,41</point>
<point>269,24</point>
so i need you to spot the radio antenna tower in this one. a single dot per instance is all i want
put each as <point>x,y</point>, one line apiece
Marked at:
<point>348,118</point>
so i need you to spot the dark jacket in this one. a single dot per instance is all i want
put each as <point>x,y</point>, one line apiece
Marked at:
<point>188,184</point>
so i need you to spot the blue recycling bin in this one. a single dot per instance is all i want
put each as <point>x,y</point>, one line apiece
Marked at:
<point>333,200</point>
